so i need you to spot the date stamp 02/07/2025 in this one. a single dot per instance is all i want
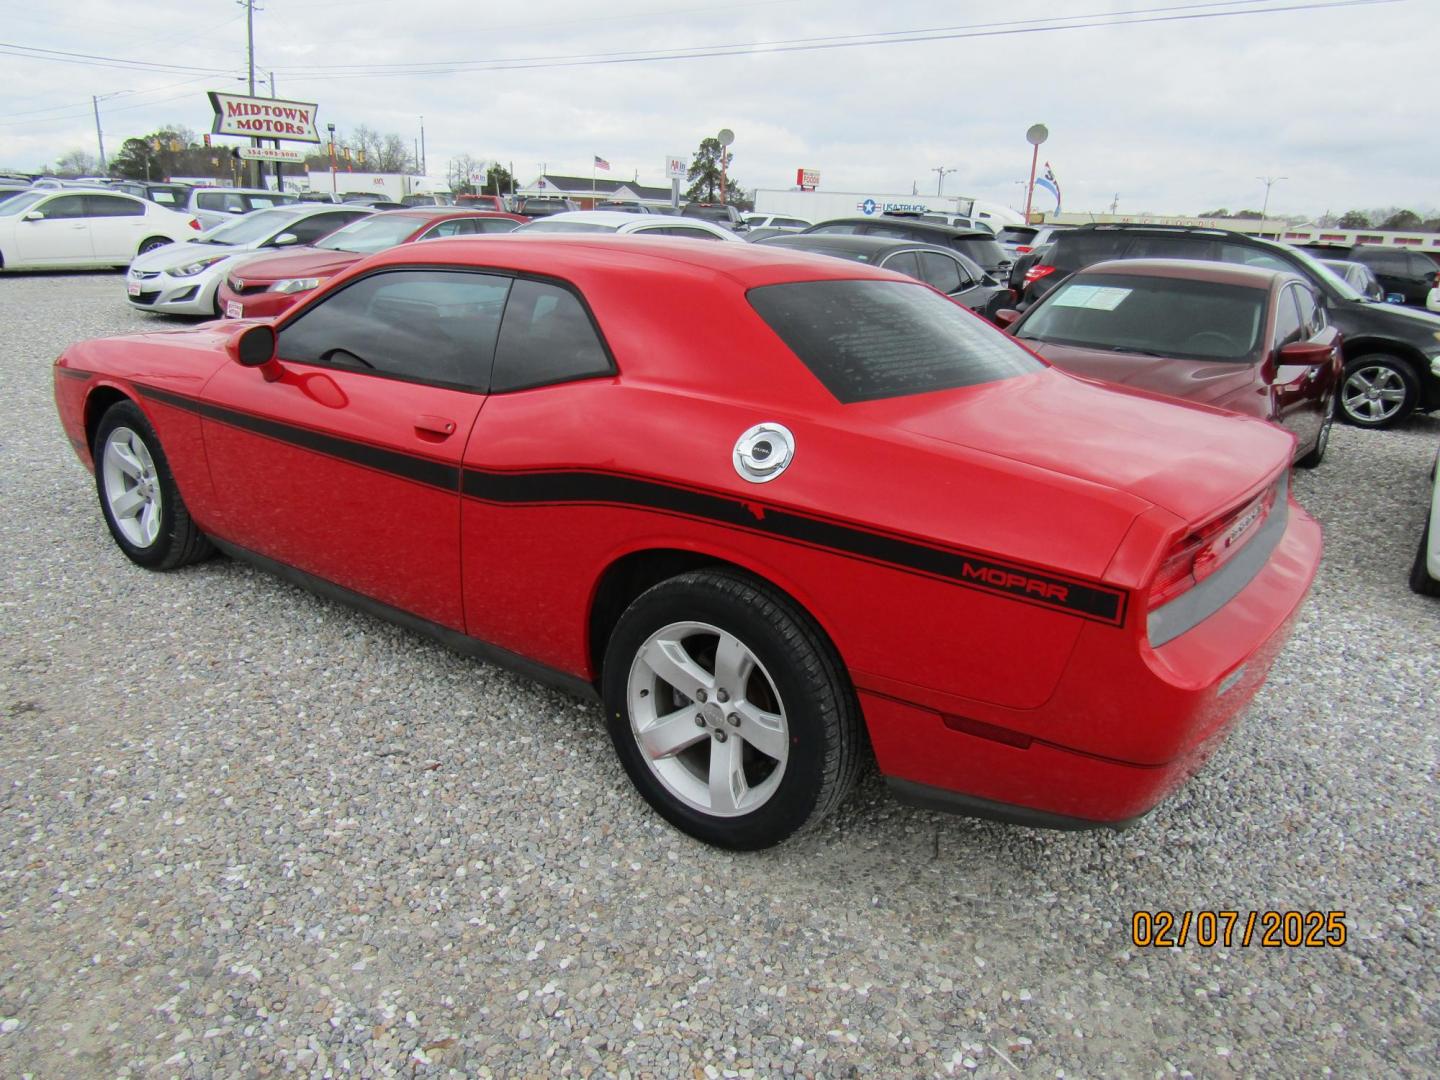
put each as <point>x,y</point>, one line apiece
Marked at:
<point>1267,929</point>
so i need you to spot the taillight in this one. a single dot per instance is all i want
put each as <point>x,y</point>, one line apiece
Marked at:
<point>1022,249</point>
<point>1197,555</point>
<point>195,224</point>
<point>1036,272</point>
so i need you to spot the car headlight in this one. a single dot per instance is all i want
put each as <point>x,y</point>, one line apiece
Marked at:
<point>294,285</point>
<point>191,269</point>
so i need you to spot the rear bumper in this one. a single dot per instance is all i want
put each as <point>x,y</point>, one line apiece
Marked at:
<point>1127,724</point>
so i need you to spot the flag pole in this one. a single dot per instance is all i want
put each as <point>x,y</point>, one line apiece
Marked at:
<point>1030,191</point>
<point>592,181</point>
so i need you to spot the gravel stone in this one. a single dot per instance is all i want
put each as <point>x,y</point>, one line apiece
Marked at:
<point>248,832</point>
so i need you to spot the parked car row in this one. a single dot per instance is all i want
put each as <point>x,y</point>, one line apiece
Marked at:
<point>1391,352</point>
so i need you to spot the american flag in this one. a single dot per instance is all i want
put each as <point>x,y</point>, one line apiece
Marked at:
<point>601,163</point>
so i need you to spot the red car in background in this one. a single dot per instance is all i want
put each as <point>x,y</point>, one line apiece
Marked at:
<point>1252,340</point>
<point>266,286</point>
<point>773,509</point>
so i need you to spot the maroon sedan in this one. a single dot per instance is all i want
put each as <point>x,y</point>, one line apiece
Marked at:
<point>260,288</point>
<point>1242,338</point>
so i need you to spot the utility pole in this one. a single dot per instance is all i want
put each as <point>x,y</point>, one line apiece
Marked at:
<point>1269,182</point>
<point>279,178</point>
<point>253,172</point>
<point>99,135</point>
<point>940,186</point>
<point>1114,203</point>
<point>422,146</point>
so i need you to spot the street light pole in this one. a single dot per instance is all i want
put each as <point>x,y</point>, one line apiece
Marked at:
<point>1269,182</point>
<point>332,158</point>
<point>940,186</point>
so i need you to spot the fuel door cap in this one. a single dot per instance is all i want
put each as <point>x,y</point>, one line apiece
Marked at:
<point>764,452</point>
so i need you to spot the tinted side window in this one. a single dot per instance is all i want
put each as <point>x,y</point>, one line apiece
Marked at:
<point>899,232</point>
<point>546,337</point>
<point>110,206</point>
<point>941,271</point>
<point>1287,317</point>
<point>310,229</point>
<point>1171,247</point>
<point>1078,250</point>
<point>903,263</point>
<point>428,325</point>
<point>839,227</point>
<point>1249,256</point>
<point>453,227</point>
<point>1312,315</point>
<point>1420,265</point>
<point>1386,262</point>
<point>496,225</point>
<point>66,206</point>
<point>789,222</point>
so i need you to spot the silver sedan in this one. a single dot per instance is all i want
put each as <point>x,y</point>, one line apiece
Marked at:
<point>181,279</point>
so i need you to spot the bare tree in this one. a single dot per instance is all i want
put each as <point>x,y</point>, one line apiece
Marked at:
<point>394,155</point>
<point>462,172</point>
<point>76,163</point>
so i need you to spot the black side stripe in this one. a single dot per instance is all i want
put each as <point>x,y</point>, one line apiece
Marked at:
<point>73,373</point>
<point>396,462</point>
<point>1041,588</point>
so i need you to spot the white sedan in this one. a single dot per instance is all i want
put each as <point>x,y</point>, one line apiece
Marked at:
<point>182,279</point>
<point>48,229</point>
<point>618,221</point>
<point>1425,573</point>
<point>1432,300</point>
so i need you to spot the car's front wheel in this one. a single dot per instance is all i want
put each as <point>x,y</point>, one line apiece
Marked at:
<point>730,710</point>
<point>152,243</point>
<point>142,506</point>
<point>1378,391</point>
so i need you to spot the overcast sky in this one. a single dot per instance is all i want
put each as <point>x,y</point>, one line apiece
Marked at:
<point>1173,117</point>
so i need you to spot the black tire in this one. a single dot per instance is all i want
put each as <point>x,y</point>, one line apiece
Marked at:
<point>153,242</point>
<point>178,542</point>
<point>1420,579</point>
<point>821,713</point>
<point>1317,452</point>
<point>1379,369</point>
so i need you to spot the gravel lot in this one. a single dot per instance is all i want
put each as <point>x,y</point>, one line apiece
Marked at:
<point>244,831</point>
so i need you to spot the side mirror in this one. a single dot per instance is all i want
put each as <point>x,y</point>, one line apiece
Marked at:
<point>1006,317</point>
<point>254,347</point>
<point>34,215</point>
<point>284,240</point>
<point>1304,353</point>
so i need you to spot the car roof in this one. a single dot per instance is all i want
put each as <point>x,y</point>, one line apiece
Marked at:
<point>435,213</point>
<point>875,246</point>
<point>616,218</point>
<point>1221,273</point>
<point>584,255</point>
<point>949,232</point>
<point>239,190</point>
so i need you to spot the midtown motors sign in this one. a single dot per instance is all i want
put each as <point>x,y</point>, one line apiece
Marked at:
<point>265,118</point>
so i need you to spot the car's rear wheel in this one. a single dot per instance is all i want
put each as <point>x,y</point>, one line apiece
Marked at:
<point>142,506</point>
<point>730,710</point>
<point>152,243</point>
<point>1322,441</point>
<point>1378,391</point>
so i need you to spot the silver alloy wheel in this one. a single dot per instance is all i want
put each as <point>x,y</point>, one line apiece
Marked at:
<point>132,486</point>
<point>1373,393</point>
<point>708,719</point>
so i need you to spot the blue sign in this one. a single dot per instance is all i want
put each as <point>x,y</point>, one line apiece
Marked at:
<point>868,206</point>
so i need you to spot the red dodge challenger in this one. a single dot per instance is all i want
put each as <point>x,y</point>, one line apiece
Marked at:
<point>770,508</point>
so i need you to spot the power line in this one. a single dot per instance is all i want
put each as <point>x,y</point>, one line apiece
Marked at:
<point>1170,13</point>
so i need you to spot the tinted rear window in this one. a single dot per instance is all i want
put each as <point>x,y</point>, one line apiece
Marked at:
<point>866,340</point>
<point>988,253</point>
<point>1017,234</point>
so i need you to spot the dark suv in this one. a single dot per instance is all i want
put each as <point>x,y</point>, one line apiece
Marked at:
<point>1408,273</point>
<point>1392,353</point>
<point>535,206</point>
<point>978,245</point>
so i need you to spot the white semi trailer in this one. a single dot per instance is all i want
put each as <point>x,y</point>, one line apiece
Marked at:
<point>823,205</point>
